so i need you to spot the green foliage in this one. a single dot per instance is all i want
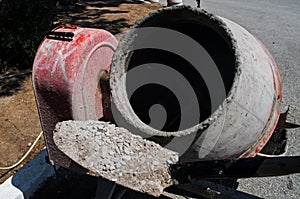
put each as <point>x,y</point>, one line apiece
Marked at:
<point>22,27</point>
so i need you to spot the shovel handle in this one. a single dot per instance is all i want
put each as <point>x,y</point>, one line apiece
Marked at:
<point>238,168</point>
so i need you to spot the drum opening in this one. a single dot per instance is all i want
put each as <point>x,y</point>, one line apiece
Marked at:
<point>206,32</point>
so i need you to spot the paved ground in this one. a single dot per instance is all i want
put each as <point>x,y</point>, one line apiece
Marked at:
<point>276,24</point>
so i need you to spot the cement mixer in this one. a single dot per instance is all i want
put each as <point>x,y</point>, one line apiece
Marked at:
<point>196,87</point>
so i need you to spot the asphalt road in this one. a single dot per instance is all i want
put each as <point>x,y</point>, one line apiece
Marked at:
<point>277,24</point>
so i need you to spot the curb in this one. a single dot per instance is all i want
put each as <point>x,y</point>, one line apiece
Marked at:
<point>28,179</point>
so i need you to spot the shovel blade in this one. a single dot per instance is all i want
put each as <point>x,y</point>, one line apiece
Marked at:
<point>117,155</point>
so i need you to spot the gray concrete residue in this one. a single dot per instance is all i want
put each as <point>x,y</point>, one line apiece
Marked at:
<point>238,105</point>
<point>165,18</point>
<point>116,154</point>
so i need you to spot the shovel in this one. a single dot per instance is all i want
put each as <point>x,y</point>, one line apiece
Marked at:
<point>129,160</point>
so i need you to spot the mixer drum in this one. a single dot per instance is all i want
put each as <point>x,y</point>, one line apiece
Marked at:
<point>239,105</point>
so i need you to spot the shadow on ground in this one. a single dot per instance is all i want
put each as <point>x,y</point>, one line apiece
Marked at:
<point>69,185</point>
<point>12,81</point>
<point>92,14</point>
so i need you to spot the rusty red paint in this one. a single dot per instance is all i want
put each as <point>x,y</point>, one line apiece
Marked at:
<point>71,26</point>
<point>65,80</point>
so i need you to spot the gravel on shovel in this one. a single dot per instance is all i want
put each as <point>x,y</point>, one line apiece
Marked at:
<point>117,155</point>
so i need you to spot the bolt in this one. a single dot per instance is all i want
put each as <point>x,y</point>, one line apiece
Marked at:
<point>220,172</point>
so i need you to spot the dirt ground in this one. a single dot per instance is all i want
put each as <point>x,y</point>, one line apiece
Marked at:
<point>19,120</point>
